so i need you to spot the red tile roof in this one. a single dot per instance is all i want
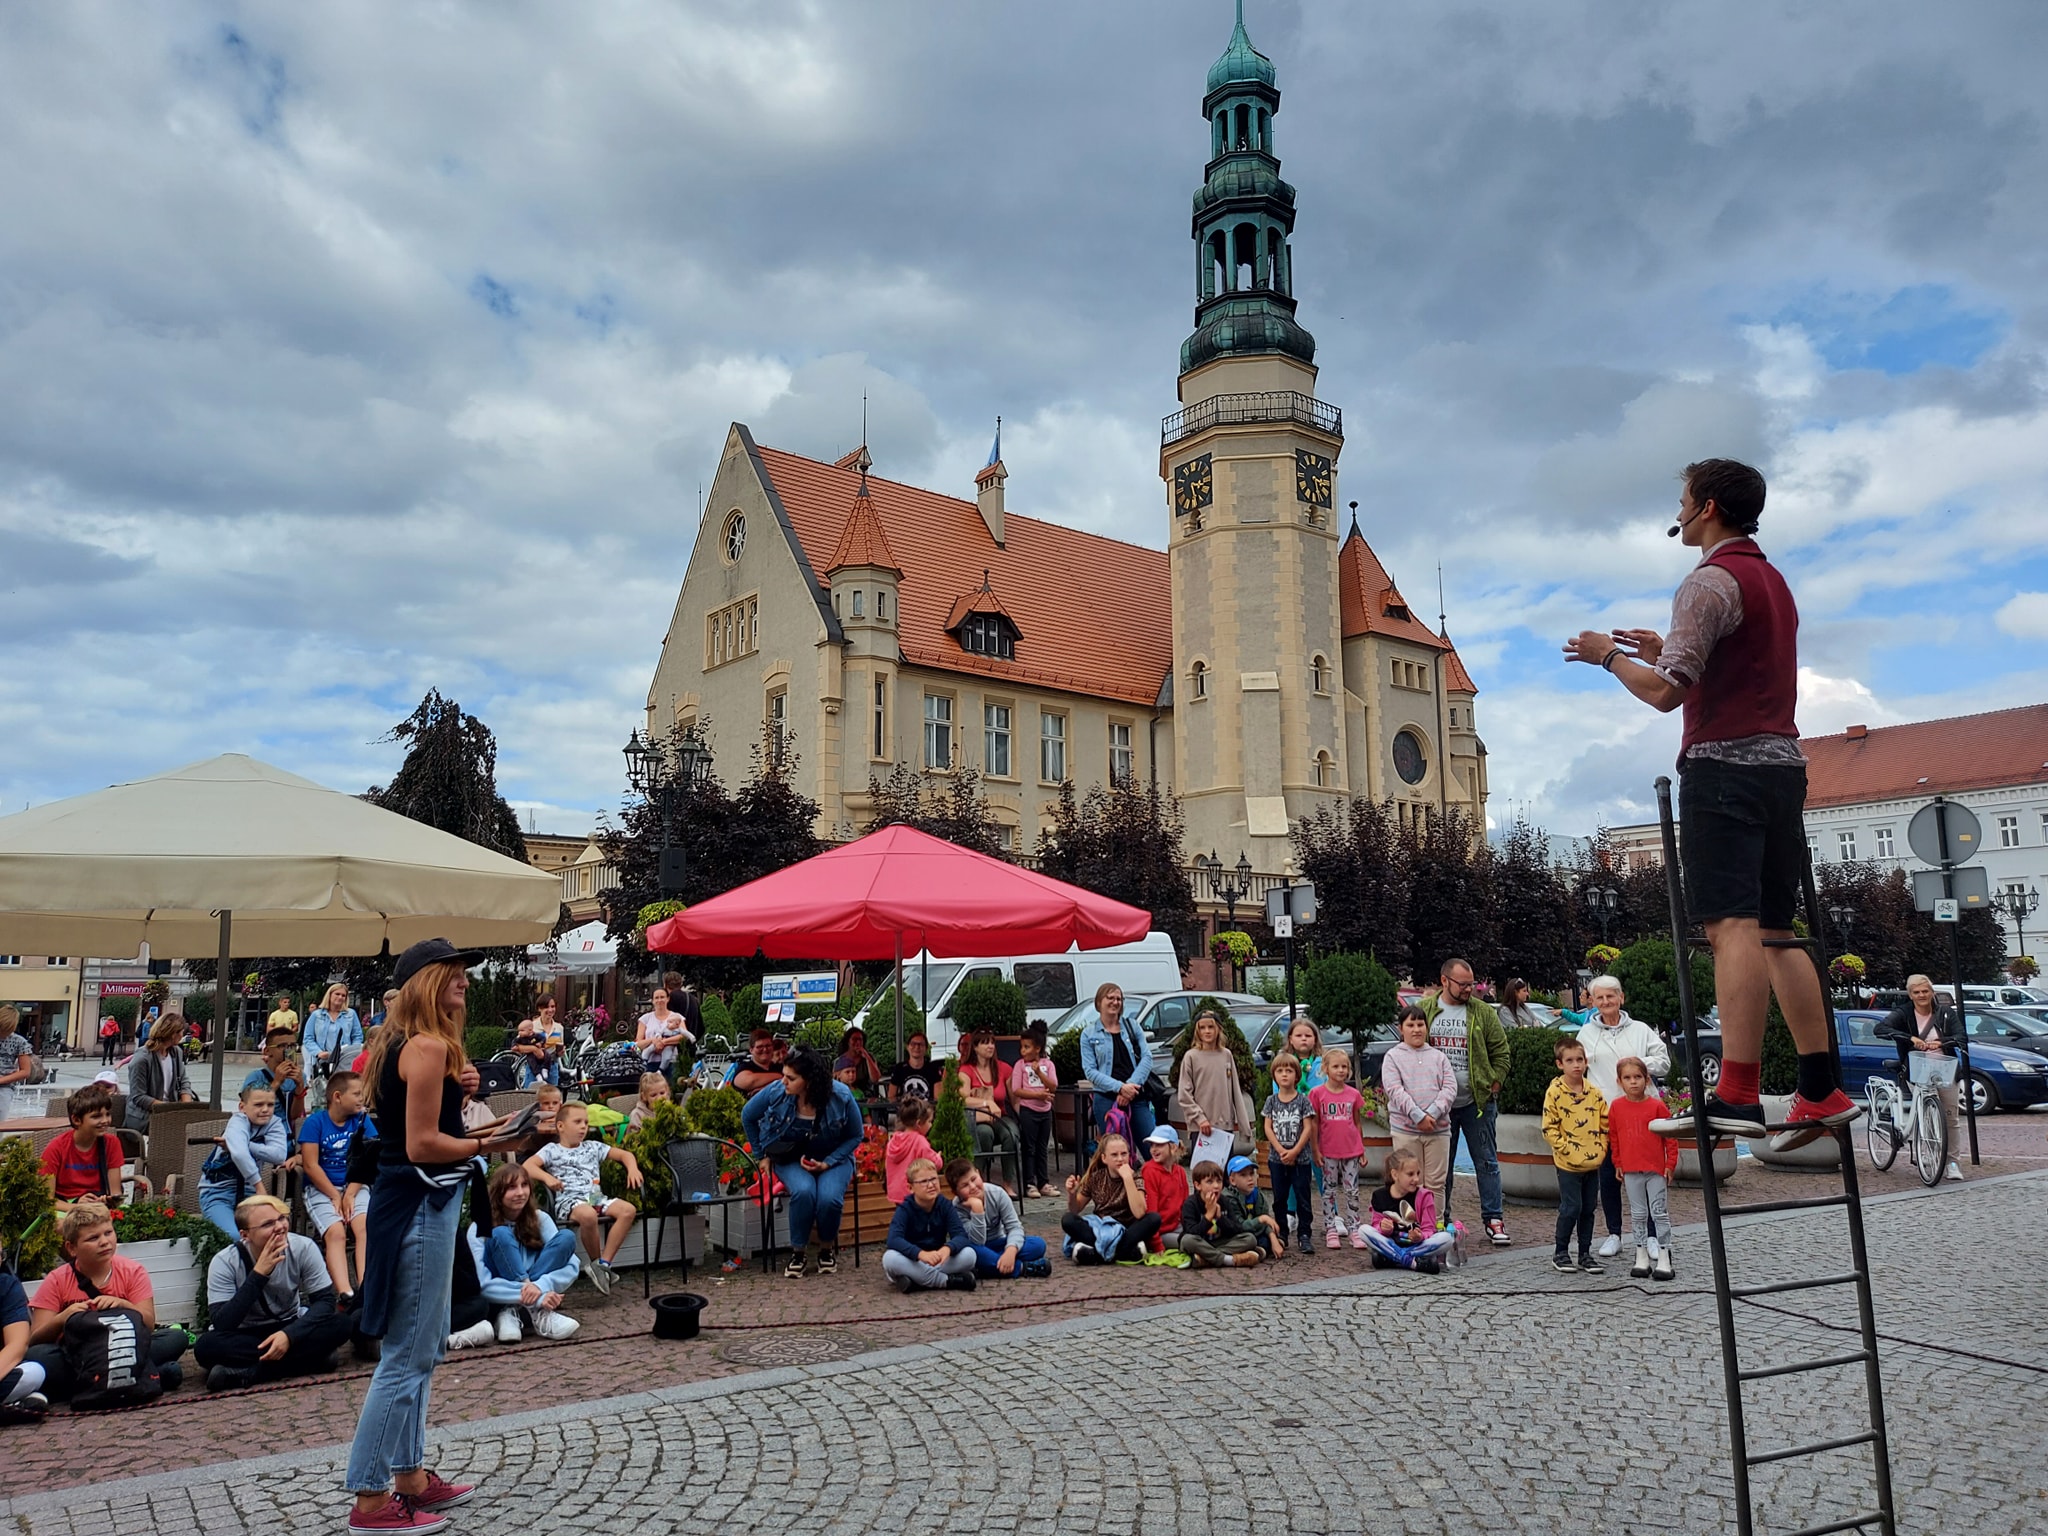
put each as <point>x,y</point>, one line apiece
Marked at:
<point>861,541</point>
<point>980,600</point>
<point>1096,614</point>
<point>1929,757</point>
<point>1373,605</point>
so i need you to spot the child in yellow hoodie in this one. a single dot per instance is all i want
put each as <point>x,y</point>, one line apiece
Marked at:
<point>1575,1125</point>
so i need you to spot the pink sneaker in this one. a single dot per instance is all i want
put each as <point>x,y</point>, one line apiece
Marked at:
<point>1358,1239</point>
<point>1335,1237</point>
<point>400,1512</point>
<point>1808,1121</point>
<point>440,1494</point>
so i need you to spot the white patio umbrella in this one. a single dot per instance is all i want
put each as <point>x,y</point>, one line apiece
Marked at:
<point>234,851</point>
<point>584,951</point>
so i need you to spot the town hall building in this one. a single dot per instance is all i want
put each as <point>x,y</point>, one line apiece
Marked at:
<point>1262,666</point>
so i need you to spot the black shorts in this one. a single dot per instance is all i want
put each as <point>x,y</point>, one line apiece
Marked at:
<point>1742,839</point>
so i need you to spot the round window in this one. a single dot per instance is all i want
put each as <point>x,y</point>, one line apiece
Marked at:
<point>1408,759</point>
<point>735,537</point>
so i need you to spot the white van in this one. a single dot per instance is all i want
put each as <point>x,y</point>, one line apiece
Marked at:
<point>1052,983</point>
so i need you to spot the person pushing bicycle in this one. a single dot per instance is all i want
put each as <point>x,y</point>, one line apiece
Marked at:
<point>1926,1025</point>
<point>1731,663</point>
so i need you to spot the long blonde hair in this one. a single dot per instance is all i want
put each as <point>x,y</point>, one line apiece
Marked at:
<point>417,1010</point>
<point>327,997</point>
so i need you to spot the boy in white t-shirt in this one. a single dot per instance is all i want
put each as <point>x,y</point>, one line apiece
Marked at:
<point>570,1168</point>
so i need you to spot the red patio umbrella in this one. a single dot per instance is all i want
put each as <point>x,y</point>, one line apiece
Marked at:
<point>866,900</point>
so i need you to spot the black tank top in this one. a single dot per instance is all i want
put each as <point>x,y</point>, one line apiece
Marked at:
<point>391,1096</point>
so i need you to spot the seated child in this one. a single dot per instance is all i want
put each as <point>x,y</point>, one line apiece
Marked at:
<point>254,1140</point>
<point>907,1143</point>
<point>547,1098</point>
<point>1401,1230</point>
<point>1210,1233</point>
<point>1166,1184</point>
<point>526,1263</point>
<point>989,1217</point>
<point>1248,1203</point>
<point>324,1143</point>
<point>928,1248</point>
<point>86,1165</point>
<point>570,1167</point>
<point>654,1090</point>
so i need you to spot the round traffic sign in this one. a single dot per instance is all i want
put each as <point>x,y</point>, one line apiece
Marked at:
<point>1924,835</point>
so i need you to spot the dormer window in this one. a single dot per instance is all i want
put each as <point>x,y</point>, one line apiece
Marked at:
<point>988,634</point>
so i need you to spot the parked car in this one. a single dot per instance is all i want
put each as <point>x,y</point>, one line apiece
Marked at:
<point>2024,1028</point>
<point>1163,1015</point>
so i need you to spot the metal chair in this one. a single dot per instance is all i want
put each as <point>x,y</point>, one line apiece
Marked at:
<point>695,1165</point>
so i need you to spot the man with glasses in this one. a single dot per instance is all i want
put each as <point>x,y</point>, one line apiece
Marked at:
<point>271,1303</point>
<point>1465,1028</point>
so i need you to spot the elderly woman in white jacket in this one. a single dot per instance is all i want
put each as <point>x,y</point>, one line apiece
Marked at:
<point>1610,1036</point>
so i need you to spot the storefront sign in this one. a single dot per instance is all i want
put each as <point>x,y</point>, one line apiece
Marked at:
<point>817,987</point>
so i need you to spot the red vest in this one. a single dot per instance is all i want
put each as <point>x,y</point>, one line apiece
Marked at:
<point>1750,685</point>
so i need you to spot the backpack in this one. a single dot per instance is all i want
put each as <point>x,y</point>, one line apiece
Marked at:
<point>108,1353</point>
<point>1116,1121</point>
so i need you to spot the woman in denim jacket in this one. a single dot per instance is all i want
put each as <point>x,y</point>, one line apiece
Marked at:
<point>1100,1040</point>
<point>807,1127</point>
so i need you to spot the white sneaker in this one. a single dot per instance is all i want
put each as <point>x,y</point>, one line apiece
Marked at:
<point>508,1325</point>
<point>1955,1171</point>
<point>473,1337</point>
<point>1610,1248</point>
<point>1655,1246</point>
<point>551,1325</point>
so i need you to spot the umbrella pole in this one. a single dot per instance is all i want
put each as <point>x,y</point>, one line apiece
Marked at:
<point>220,1008</point>
<point>899,994</point>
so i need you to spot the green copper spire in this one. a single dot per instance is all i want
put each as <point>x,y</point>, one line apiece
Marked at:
<point>1243,218</point>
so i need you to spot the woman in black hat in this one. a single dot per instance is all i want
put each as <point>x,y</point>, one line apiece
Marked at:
<point>414,1072</point>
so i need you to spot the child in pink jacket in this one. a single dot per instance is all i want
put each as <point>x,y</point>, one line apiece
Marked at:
<point>907,1143</point>
<point>1421,1086</point>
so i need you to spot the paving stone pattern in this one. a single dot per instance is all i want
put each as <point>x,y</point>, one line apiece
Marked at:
<point>1502,1397</point>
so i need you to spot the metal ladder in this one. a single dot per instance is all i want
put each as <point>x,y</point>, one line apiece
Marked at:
<point>1726,1294</point>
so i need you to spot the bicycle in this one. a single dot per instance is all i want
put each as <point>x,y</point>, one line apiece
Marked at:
<point>1904,1113</point>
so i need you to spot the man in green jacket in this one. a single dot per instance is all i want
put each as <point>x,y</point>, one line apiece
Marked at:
<point>1466,1029</point>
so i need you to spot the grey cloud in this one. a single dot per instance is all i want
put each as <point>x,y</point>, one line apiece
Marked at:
<point>29,559</point>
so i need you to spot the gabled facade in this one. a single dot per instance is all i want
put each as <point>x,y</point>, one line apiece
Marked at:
<point>1260,667</point>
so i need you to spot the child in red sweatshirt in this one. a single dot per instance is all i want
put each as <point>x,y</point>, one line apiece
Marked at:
<point>1166,1184</point>
<point>1645,1162</point>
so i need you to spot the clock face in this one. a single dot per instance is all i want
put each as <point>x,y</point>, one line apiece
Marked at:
<point>1194,485</point>
<point>1312,478</point>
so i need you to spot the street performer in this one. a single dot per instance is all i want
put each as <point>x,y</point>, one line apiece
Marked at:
<point>1731,662</point>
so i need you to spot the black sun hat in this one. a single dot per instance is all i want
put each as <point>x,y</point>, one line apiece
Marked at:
<point>430,952</point>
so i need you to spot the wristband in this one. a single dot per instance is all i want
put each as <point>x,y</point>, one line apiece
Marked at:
<point>1607,665</point>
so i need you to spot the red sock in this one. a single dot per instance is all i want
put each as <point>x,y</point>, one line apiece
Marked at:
<point>1738,1082</point>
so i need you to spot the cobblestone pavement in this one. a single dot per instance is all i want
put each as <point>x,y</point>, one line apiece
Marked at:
<point>1499,1397</point>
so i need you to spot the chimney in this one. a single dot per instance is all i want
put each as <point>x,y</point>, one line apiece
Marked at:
<point>988,495</point>
<point>1857,732</point>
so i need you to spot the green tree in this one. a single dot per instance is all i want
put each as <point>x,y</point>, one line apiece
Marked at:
<point>28,1224</point>
<point>950,806</point>
<point>449,778</point>
<point>1123,840</point>
<point>952,1136</point>
<point>1350,993</point>
<point>1532,909</point>
<point>989,1003</point>
<point>1450,894</point>
<point>1355,856</point>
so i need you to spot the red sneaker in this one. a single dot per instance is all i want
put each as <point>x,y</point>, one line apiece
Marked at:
<point>1808,1121</point>
<point>440,1494</point>
<point>400,1512</point>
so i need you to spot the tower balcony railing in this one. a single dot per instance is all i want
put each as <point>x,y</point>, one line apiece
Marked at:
<point>1239,410</point>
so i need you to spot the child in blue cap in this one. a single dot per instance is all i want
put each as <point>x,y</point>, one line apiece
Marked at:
<point>1249,1203</point>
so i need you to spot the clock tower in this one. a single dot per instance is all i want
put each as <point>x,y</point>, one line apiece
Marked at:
<point>1250,466</point>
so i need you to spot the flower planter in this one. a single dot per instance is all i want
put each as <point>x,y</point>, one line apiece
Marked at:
<point>1689,1163</point>
<point>1376,1150</point>
<point>1527,1174</point>
<point>737,1228</point>
<point>172,1275</point>
<point>1821,1155</point>
<point>871,1198</point>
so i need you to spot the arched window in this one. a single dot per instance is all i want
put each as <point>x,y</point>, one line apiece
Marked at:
<point>1319,674</point>
<point>1326,771</point>
<point>1198,680</point>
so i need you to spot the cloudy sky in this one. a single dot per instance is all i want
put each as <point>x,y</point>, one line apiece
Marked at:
<point>347,351</point>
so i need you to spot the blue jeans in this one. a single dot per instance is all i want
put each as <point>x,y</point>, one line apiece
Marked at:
<point>217,1204</point>
<point>1140,1111</point>
<point>531,1074</point>
<point>986,1258</point>
<point>816,1200</point>
<point>391,1436</point>
<point>1475,1125</point>
<point>1293,1188</point>
<point>1578,1198</point>
<point>508,1261</point>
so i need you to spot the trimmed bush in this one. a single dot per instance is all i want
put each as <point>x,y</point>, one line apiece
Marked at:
<point>989,1003</point>
<point>1780,1072</point>
<point>1532,1063</point>
<point>822,1036</point>
<point>714,1112</point>
<point>1351,993</point>
<point>951,1136</point>
<point>1065,1051</point>
<point>716,1017</point>
<point>480,1042</point>
<point>28,1223</point>
<point>1649,979</point>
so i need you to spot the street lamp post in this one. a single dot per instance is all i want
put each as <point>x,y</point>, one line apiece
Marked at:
<point>1844,919</point>
<point>1228,891</point>
<point>663,774</point>
<point>1601,902</point>
<point>2018,905</point>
